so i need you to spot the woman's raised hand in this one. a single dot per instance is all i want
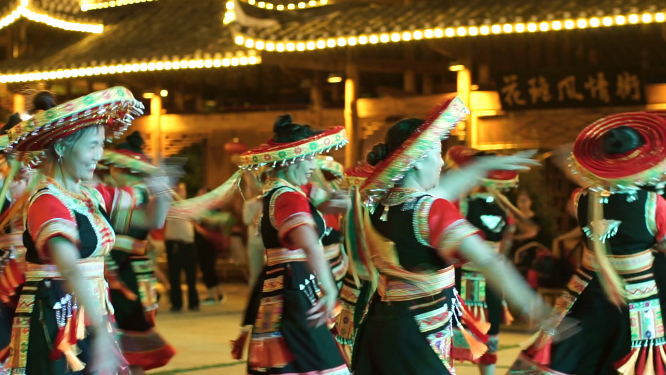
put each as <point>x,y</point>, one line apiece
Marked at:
<point>520,161</point>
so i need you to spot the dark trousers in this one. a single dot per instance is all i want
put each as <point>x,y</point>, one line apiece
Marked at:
<point>182,256</point>
<point>207,257</point>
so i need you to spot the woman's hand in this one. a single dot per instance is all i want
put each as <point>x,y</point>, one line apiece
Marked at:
<point>238,345</point>
<point>338,203</point>
<point>520,161</point>
<point>105,352</point>
<point>319,314</point>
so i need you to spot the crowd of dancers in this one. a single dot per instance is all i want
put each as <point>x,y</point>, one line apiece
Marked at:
<point>388,268</point>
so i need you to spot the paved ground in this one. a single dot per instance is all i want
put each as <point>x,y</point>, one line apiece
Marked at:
<point>202,339</point>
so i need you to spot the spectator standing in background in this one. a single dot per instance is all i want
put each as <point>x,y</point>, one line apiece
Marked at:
<point>207,259</point>
<point>181,255</point>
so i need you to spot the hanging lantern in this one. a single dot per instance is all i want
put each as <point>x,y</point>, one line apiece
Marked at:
<point>235,147</point>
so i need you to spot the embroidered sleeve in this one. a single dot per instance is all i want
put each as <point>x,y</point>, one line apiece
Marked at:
<point>48,218</point>
<point>660,218</point>
<point>119,204</point>
<point>289,210</point>
<point>448,228</point>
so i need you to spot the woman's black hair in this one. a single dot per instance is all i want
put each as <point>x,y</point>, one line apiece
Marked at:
<point>621,140</point>
<point>133,142</point>
<point>395,137</point>
<point>11,122</point>
<point>286,131</point>
<point>42,101</point>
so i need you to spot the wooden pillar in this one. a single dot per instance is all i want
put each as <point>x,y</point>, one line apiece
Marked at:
<point>179,99</point>
<point>409,80</point>
<point>317,98</point>
<point>428,84</point>
<point>464,92</point>
<point>156,120</point>
<point>19,103</point>
<point>409,76</point>
<point>351,112</point>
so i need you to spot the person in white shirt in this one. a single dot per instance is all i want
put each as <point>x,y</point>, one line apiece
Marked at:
<point>181,256</point>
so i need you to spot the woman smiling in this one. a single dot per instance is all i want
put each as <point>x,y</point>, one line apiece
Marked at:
<point>62,323</point>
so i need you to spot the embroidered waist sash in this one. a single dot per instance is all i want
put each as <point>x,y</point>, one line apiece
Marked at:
<point>391,289</point>
<point>130,245</point>
<point>92,269</point>
<point>281,255</point>
<point>332,251</point>
<point>623,264</point>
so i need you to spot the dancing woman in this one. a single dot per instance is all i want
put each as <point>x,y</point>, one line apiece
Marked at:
<point>412,240</point>
<point>62,320</point>
<point>129,269</point>
<point>483,211</point>
<point>613,294</point>
<point>296,293</point>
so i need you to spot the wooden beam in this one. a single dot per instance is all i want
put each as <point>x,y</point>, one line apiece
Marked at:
<point>351,111</point>
<point>156,133</point>
<point>317,96</point>
<point>322,63</point>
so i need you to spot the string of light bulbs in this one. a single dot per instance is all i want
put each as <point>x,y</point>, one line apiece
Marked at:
<point>290,6</point>
<point>23,10</point>
<point>449,32</point>
<point>164,65</point>
<point>87,5</point>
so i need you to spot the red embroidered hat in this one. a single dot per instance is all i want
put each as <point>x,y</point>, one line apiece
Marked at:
<point>356,176</point>
<point>114,107</point>
<point>458,156</point>
<point>392,169</point>
<point>645,165</point>
<point>273,153</point>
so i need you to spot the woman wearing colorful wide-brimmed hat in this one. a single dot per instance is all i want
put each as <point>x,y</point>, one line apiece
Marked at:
<point>412,240</point>
<point>295,294</point>
<point>63,320</point>
<point>613,293</point>
<point>129,269</point>
<point>482,209</point>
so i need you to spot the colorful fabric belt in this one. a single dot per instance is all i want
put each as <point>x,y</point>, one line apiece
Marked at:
<point>92,269</point>
<point>130,245</point>
<point>282,255</point>
<point>399,290</point>
<point>11,240</point>
<point>332,251</point>
<point>623,264</point>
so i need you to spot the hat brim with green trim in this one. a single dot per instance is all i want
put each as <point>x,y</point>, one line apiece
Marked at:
<point>274,154</point>
<point>114,108</point>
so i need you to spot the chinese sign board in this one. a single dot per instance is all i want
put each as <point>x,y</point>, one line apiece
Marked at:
<point>594,88</point>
